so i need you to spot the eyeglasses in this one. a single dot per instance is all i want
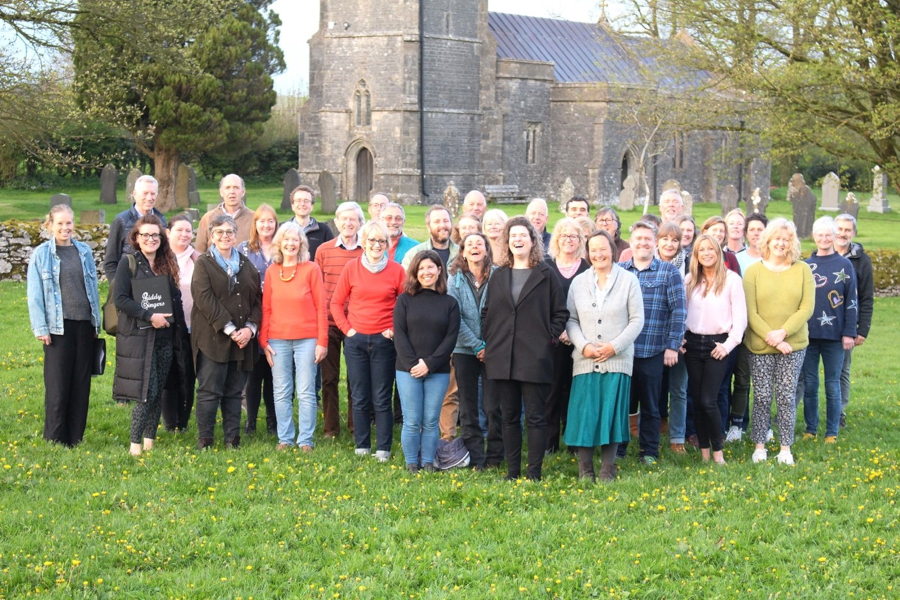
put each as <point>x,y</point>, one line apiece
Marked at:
<point>223,232</point>
<point>376,242</point>
<point>149,236</point>
<point>605,221</point>
<point>569,236</point>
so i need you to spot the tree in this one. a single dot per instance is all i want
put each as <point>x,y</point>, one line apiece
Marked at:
<point>182,78</point>
<point>820,72</point>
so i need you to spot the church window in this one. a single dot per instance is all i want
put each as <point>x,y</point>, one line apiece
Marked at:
<point>678,151</point>
<point>532,134</point>
<point>363,101</point>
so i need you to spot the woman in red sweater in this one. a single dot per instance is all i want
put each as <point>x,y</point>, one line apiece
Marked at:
<point>294,333</point>
<point>363,307</point>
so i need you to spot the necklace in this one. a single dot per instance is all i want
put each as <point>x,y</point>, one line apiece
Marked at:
<point>281,273</point>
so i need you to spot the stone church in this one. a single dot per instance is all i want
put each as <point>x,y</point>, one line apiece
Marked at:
<point>407,95</point>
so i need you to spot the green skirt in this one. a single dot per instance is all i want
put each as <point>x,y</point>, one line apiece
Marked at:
<point>598,409</point>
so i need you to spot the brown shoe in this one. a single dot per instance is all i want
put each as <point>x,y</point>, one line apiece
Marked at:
<point>282,447</point>
<point>306,448</point>
<point>677,448</point>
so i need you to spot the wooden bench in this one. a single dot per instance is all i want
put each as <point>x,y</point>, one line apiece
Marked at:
<point>504,194</point>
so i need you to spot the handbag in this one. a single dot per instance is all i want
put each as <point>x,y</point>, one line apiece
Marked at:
<point>98,365</point>
<point>110,312</point>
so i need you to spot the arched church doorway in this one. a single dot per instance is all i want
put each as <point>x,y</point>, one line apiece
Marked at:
<point>365,170</point>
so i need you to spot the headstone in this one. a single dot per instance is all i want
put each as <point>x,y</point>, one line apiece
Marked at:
<point>181,187</point>
<point>850,205</point>
<point>132,176</point>
<point>756,204</point>
<point>878,203</point>
<point>193,192</point>
<point>194,214</point>
<point>60,199</point>
<point>831,187</point>
<point>626,196</point>
<point>566,191</point>
<point>804,211</point>
<point>108,178</point>
<point>729,199</point>
<point>794,184</point>
<point>328,191</point>
<point>688,202</point>
<point>290,181</point>
<point>92,217</point>
<point>451,199</point>
<point>671,184</point>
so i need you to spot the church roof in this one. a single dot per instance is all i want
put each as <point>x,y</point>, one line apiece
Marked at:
<point>580,52</point>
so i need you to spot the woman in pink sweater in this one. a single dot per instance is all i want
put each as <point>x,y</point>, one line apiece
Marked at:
<point>294,333</point>
<point>715,324</point>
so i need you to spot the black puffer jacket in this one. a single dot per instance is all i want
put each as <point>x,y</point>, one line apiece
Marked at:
<point>865,287</point>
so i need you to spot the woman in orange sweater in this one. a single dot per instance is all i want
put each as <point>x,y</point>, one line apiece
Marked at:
<point>294,333</point>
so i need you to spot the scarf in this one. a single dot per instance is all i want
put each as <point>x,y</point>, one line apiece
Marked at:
<point>374,267</point>
<point>231,265</point>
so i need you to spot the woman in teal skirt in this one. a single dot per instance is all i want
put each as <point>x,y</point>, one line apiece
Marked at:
<point>606,314</point>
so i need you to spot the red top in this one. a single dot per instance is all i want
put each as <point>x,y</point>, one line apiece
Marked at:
<point>295,309</point>
<point>331,258</point>
<point>371,297</point>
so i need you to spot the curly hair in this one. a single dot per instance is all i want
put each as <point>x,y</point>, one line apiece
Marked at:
<point>164,262</point>
<point>536,256</point>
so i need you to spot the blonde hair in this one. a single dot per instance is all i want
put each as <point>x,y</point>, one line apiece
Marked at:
<point>697,279</point>
<point>562,224</point>
<point>775,226</point>
<point>290,226</point>
<point>253,242</point>
<point>56,208</point>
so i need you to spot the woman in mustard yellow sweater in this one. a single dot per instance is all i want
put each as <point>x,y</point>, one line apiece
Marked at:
<point>780,299</point>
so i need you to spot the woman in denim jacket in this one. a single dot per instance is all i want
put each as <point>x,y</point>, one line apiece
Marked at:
<point>64,308</point>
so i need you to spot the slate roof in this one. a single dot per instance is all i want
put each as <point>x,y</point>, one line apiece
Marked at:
<point>580,52</point>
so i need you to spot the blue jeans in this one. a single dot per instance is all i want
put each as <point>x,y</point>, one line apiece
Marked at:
<point>421,399</point>
<point>370,373</point>
<point>845,380</point>
<point>832,354</point>
<point>678,384</point>
<point>295,360</point>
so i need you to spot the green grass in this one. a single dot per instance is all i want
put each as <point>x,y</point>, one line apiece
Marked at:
<point>93,522</point>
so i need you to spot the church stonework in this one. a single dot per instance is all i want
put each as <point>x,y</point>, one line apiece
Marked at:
<point>405,96</point>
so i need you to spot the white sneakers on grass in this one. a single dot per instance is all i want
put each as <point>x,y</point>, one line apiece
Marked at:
<point>362,451</point>
<point>785,457</point>
<point>734,434</point>
<point>382,455</point>
<point>759,455</point>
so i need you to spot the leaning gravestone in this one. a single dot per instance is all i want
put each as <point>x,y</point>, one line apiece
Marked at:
<point>290,181</point>
<point>132,176</point>
<point>451,199</point>
<point>92,217</point>
<point>878,202</point>
<point>804,211</point>
<point>850,205</point>
<point>566,191</point>
<point>831,188</point>
<point>108,178</point>
<point>729,199</point>
<point>328,192</point>
<point>182,178</point>
<point>626,196</point>
<point>60,199</point>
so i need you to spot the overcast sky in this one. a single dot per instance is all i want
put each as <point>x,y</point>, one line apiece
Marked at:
<point>300,19</point>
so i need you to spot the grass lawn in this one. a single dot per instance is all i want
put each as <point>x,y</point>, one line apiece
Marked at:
<point>93,522</point>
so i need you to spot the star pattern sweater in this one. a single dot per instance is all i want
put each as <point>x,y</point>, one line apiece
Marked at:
<point>837,311</point>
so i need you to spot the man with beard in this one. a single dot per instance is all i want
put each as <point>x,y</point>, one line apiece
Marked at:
<point>394,218</point>
<point>439,225</point>
<point>232,192</point>
<point>671,205</point>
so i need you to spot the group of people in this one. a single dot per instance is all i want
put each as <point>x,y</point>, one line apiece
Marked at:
<point>489,325</point>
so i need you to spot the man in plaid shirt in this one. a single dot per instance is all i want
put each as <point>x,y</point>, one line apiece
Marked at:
<point>660,341</point>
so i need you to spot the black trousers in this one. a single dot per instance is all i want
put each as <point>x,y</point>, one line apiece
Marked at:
<point>178,396</point>
<point>705,376</point>
<point>558,400</point>
<point>468,370</point>
<point>219,384</point>
<point>67,382</point>
<point>511,395</point>
<point>646,390</point>
<point>259,388</point>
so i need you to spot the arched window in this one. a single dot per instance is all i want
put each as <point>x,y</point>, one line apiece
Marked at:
<point>363,101</point>
<point>532,135</point>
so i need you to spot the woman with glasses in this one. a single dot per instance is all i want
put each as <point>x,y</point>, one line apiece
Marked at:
<point>566,251</point>
<point>259,249</point>
<point>225,319</point>
<point>145,338</point>
<point>608,219</point>
<point>363,308</point>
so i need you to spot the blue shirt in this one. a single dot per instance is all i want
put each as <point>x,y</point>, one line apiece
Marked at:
<point>664,308</point>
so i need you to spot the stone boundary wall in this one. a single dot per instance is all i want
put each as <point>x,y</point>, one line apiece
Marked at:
<point>19,238</point>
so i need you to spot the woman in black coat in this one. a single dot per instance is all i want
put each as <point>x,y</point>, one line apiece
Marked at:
<point>523,320</point>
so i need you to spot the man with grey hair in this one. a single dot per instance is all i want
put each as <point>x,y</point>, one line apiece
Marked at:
<point>537,213</point>
<point>146,190</point>
<point>474,204</point>
<point>394,218</point>
<point>232,192</point>
<point>844,231</point>
<point>331,258</point>
<point>671,205</point>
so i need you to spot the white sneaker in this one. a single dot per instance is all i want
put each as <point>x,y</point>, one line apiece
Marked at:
<point>770,435</point>
<point>382,455</point>
<point>734,434</point>
<point>363,451</point>
<point>759,455</point>
<point>785,457</point>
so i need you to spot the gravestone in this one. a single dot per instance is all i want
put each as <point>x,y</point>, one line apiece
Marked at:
<point>193,192</point>
<point>108,178</point>
<point>671,184</point>
<point>182,177</point>
<point>688,200</point>
<point>626,196</point>
<point>831,187</point>
<point>328,192</point>
<point>451,199</point>
<point>193,214</point>
<point>92,217</point>
<point>566,191</point>
<point>850,205</point>
<point>290,181</point>
<point>756,203</point>
<point>878,203</point>
<point>60,199</point>
<point>132,176</point>
<point>804,211</point>
<point>729,199</point>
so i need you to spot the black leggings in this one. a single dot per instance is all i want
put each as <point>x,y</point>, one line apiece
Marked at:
<point>705,375</point>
